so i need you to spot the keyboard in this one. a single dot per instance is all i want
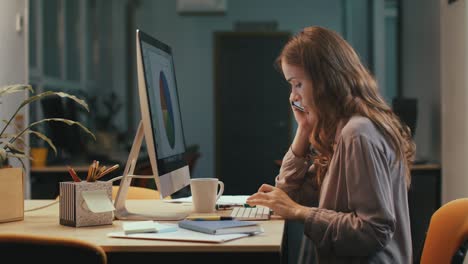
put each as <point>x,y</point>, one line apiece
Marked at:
<point>251,213</point>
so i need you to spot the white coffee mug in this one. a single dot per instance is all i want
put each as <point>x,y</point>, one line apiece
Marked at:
<point>205,194</point>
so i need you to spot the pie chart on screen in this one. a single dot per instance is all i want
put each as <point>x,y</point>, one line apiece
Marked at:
<point>166,106</point>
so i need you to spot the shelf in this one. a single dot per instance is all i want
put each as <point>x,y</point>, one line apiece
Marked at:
<point>59,168</point>
<point>429,166</point>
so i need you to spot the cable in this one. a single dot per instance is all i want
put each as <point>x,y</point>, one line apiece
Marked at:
<point>131,176</point>
<point>41,207</point>
<point>111,180</point>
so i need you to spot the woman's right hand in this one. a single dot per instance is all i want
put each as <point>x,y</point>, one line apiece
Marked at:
<point>278,201</point>
<point>303,119</point>
<point>300,145</point>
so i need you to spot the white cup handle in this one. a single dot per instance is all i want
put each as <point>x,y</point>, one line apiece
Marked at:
<point>221,189</point>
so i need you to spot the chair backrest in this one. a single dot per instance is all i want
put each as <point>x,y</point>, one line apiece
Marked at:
<point>24,248</point>
<point>448,231</point>
<point>137,193</point>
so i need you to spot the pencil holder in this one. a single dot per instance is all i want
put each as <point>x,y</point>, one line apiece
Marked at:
<point>86,203</point>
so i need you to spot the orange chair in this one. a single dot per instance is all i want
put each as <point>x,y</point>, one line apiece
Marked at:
<point>447,235</point>
<point>134,193</point>
<point>25,248</point>
<point>137,193</point>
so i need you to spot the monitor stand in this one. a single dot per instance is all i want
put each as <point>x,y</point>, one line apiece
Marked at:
<point>158,210</point>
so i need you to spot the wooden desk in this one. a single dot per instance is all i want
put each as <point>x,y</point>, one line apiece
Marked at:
<point>264,247</point>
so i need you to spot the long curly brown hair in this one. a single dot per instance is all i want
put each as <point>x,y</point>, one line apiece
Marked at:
<point>342,87</point>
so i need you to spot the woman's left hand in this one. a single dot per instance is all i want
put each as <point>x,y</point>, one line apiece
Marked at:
<point>278,201</point>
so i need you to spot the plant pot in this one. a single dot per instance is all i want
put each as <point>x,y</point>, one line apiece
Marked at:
<point>107,140</point>
<point>11,195</point>
<point>39,157</point>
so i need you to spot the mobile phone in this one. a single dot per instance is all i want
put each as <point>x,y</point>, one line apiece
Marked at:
<point>297,105</point>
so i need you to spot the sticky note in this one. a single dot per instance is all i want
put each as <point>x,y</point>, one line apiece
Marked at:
<point>98,201</point>
<point>147,227</point>
<point>138,227</point>
<point>162,228</point>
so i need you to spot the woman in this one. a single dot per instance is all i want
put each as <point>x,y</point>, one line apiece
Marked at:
<point>350,154</point>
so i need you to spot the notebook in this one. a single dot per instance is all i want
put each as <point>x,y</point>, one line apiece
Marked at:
<point>222,227</point>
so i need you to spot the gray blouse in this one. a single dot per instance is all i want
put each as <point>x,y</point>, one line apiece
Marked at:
<point>362,214</point>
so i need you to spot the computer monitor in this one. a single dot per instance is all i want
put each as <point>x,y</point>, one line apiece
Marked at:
<point>161,115</point>
<point>161,122</point>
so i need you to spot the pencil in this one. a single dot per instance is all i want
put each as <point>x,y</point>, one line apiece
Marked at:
<point>91,171</point>
<point>96,171</point>
<point>90,168</point>
<point>101,170</point>
<point>111,169</point>
<point>72,172</point>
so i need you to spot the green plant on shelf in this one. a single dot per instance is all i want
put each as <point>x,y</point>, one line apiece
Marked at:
<point>105,111</point>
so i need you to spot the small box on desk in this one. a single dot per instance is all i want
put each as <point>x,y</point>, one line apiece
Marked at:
<point>86,203</point>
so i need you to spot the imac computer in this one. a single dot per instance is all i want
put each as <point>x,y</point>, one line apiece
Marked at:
<point>160,126</point>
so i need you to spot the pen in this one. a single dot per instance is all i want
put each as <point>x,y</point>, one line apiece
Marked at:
<point>230,206</point>
<point>209,218</point>
<point>223,206</point>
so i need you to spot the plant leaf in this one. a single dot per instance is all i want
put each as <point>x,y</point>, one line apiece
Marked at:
<point>22,163</point>
<point>7,135</point>
<point>3,156</point>
<point>19,156</point>
<point>63,120</point>
<point>74,98</point>
<point>10,135</point>
<point>14,149</point>
<point>45,138</point>
<point>21,140</point>
<point>51,93</point>
<point>66,121</point>
<point>9,89</point>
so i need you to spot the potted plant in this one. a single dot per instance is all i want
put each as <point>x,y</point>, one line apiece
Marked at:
<point>12,146</point>
<point>105,110</point>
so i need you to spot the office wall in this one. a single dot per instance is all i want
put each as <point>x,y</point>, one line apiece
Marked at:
<point>454,83</point>
<point>191,38</point>
<point>421,71</point>
<point>357,27</point>
<point>119,67</point>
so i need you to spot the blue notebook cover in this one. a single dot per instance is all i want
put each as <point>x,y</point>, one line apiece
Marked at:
<point>222,227</point>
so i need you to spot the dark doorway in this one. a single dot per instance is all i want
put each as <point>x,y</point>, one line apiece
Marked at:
<point>252,109</point>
